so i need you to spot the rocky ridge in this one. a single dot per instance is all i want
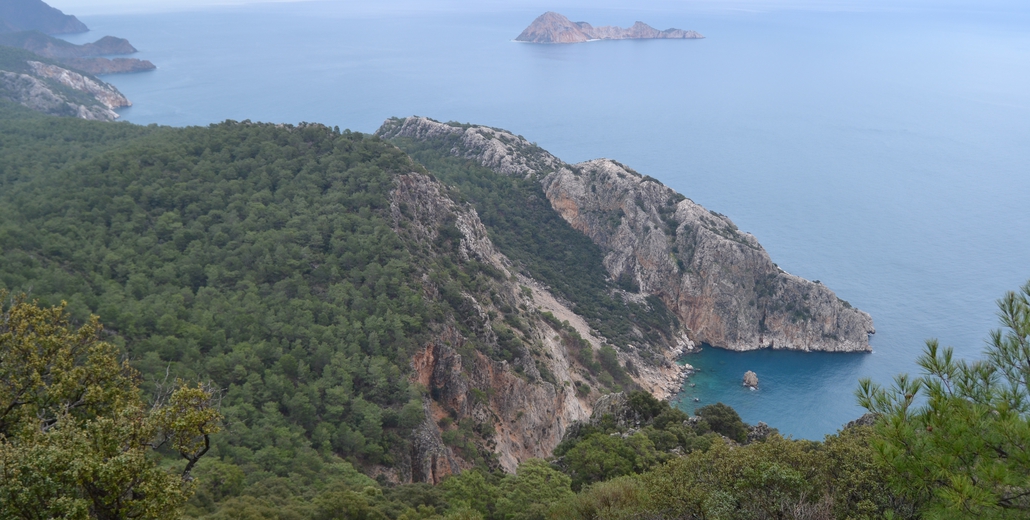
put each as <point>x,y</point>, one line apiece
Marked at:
<point>717,280</point>
<point>552,27</point>
<point>522,407</point>
<point>55,90</point>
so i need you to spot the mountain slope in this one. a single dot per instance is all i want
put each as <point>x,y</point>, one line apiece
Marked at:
<point>719,282</point>
<point>27,15</point>
<point>348,305</point>
<point>48,87</point>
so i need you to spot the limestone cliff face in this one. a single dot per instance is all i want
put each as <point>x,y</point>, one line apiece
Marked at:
<point>552,27</point>
<point>520,407</point>
<point>717,280</point>
<point>40,91</point>
<point>102,92</point>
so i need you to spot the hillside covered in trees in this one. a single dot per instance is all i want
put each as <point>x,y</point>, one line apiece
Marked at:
<point>408,335</point>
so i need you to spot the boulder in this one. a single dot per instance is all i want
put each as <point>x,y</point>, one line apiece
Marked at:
<point>750,380</point>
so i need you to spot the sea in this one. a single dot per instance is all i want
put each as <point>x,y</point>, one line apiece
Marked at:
<point>882,148</point>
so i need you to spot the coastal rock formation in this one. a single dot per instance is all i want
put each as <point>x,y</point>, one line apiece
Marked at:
<point>718,281</point>
<point>106,94</point>
<point>50,47</point>
<point>750,380</point>
<point>53,90</point>
<point>85,57</point>
<point>552,27</point>
<point>109,66</point>
<point>759,432</point>
<point>523,406</point>
<point>26,15</point>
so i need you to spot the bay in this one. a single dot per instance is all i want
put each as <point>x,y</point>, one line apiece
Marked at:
<point>882,151</point>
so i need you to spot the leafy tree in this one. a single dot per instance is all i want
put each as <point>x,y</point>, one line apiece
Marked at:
<point>724,420</point>
<point>75,434</point>
<point>958,436</point>
<point>616,499</point>
<point>857,480</point>
<point>778,478</point>
<point>601,456</point>
<point>473,490</point>
<point>532,490</point>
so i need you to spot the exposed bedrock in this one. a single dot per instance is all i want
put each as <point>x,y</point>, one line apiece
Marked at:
<point>718,281</point>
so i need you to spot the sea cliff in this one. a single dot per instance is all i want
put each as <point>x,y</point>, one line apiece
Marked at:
<point>719,282</point>
<point>52,89</point>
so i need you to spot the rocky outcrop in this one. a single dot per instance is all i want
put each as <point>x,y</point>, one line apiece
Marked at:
<point>750,380</point>
<point>102,92</point>
<point>717,280</point>
<point>552,27</point>
<point>868,419</point>
<point>759,432</point>
<point>521,407</point>
<point>36,15</point>
<point>38,95</point>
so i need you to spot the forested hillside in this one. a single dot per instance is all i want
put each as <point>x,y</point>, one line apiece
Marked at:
<point>252,255</point>
<point>525,227</point>
<point>265,258</point>
<point>375,332</point>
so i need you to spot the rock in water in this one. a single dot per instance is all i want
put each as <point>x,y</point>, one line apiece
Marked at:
<point>552,27</point>
<point>750,380</point>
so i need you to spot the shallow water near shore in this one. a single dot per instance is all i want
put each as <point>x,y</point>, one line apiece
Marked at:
<point>883,152</point>
<point>798,385</point>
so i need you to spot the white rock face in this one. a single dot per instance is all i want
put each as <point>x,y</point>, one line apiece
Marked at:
<point>103,92</point>
<point>528,414</point>
<point>718,281</point>
<point>37,95</point>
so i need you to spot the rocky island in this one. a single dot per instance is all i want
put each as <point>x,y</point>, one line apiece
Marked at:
<point>552,27</point>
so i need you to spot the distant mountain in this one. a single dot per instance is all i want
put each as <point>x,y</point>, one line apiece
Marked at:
<point>84,57</point>
<point>39,43</point>
<point>552,27</point>
<point>25,15</point>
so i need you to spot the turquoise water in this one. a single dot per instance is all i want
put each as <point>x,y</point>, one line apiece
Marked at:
<point>884,152</point>
<point>816,389</point>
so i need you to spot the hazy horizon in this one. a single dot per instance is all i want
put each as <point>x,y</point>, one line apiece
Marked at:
<point>400,7</point>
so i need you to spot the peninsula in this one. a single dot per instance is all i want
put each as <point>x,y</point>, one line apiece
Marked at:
<point>88,57</point>
<point>552,27</point>
<point>30,24</point>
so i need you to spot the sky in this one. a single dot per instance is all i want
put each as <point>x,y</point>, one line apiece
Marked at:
<point>98,7</point>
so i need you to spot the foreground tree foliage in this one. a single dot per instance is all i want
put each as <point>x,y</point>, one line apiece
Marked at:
<point>76,437</point>
<point>958,436</point>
